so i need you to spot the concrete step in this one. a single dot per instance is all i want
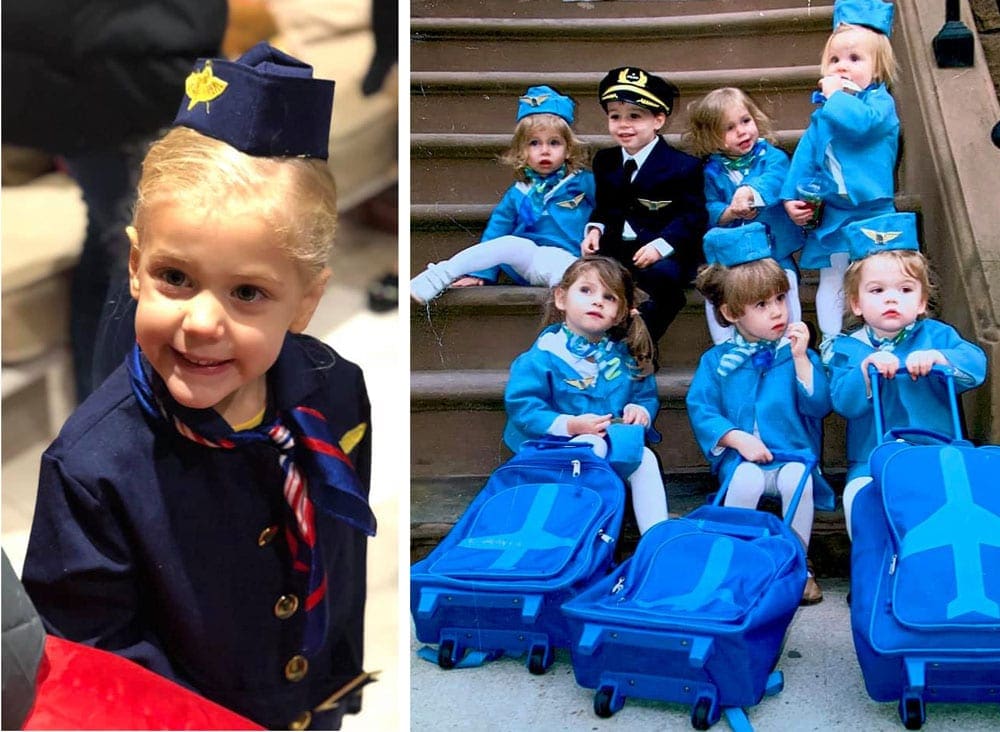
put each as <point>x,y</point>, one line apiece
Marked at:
<point>439,230</point>
<point>436,504</point>
<point>714,40</point>
<point>454,168</point>
<point>485,101</point>
<point>457,419</point>
<point>595,9</point>
<point>448,333</point>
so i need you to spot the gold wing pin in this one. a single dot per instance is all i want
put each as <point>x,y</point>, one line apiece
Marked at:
<point>654,205</point>
<point>632,76</point>
<point>203,86</point>
<point>571,203</point>
<point>581,384</point>
<point>352,437</point>
<point>534,101</point>
<point>880,237</point>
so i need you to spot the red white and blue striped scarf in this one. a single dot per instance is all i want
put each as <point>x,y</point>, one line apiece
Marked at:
<point>317,475</point>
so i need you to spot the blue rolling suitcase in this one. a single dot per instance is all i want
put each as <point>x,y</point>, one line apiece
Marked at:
<point>542,528</point>
<point>925,569</point>
<point>697,615</point>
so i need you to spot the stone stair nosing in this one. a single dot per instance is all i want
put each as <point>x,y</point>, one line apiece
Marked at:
<point>624,9</point>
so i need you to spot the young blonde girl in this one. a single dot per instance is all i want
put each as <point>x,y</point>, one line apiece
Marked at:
<point>534,233</point>
<point>591,366</point>
<point>888,287</point>
<point>849,149</point>
<point>762,391</point>
<point>744,172</point>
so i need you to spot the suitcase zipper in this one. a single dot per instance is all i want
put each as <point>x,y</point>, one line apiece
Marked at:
<point>576,468</point>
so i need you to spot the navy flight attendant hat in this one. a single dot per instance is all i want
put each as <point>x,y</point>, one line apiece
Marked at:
<point>264,103</point>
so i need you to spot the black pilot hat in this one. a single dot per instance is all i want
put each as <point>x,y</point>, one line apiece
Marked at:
<point>633,85</point>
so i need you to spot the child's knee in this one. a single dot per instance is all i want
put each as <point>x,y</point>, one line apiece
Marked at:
<point>596,442</point>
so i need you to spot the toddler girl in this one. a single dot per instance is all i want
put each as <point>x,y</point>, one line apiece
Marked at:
<point>887,287</point>
<point>848,152</point>
<point>534,233</point>
<point>762,390</point>
<point>744,172</point>
<point>590,367</point>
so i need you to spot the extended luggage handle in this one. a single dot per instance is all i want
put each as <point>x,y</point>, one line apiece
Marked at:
<point>783,456</point>
<point>947,374</point>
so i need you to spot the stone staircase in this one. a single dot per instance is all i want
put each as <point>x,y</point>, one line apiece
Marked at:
<point>470,62</point>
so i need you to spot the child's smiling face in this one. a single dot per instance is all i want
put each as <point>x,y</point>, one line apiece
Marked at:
<point>739,131</point>
<point>632,126</point>
<point>888,299</point>
<point>545,150</point>
<point>216,296</point>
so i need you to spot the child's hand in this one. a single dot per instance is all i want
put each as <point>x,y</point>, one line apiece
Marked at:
<point>798,334</point>
<point>646,256</point>
<point>634,414</point>
<point>887,364</point>
<point>830,84</point>
<point>588,424</point>
<point>798,211</point>
<point>749,446</point>
<point>742,206</point>
<point>919,363</point>
<point>591,242</point>
<point>468,281</point>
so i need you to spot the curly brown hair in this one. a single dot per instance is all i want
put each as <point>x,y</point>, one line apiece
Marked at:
<point>516,156</point>
<point>705,135</point>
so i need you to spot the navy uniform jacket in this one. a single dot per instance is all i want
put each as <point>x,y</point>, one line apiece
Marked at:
<point>666,200</point>
<point>905,403</point>
<point>769,402</point>
<point>152,546</point>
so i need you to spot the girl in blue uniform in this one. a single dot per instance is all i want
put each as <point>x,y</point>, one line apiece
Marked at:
<point>590,367</point>
<point>534,233</point>
<point>762,390</point>
<point>848,150</point>
<point>204,513</point>
<point>744,172</point>
<point>887,287</point>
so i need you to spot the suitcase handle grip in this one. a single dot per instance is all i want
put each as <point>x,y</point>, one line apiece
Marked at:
<point>947,374</point>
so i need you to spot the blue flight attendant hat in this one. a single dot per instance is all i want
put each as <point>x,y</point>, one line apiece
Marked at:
<point>737,245</point>
<point>881,234</point>
<point>545,100</point>
<point>633,85</point>
<point>263,103</point>
<point>873,14</point>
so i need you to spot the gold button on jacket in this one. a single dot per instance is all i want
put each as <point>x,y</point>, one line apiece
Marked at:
<point>267,535</point>
<point>296,668</point>
<point>286,606</point>
<point>301,722</point>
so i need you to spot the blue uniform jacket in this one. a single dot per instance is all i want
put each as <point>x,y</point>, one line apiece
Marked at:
<point>771,399</point>
<point>567,208</point>
<point>766,175</point>
<point>544,386</point>
<point>905,403</point>
<point>173,554</point>
<point>851,144</point>
<point>665,200</point>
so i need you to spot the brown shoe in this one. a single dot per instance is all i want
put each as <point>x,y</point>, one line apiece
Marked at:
<point>812,593</point>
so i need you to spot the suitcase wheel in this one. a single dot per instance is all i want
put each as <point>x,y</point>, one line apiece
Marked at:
<point>912,712</point>
<point>602,702</point>
<point>704,713</point>
<point>446,654</point>
<point>539,660</point>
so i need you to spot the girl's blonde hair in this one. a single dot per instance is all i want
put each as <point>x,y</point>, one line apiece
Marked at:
<point>914,264</point>
<point>297,197</point>
<point>629,326</point>
<point>705,134</point>
<point>577,155</point>
<point>884,66</point>
<point>740,286</point>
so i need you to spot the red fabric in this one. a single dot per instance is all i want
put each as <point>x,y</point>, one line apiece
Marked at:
<point>83,688</point>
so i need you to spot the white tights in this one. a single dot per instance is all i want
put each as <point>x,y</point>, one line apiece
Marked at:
<point>649,498</point>
<point>830,296</point>
<point>748,484</point>
<point>851,491</point>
